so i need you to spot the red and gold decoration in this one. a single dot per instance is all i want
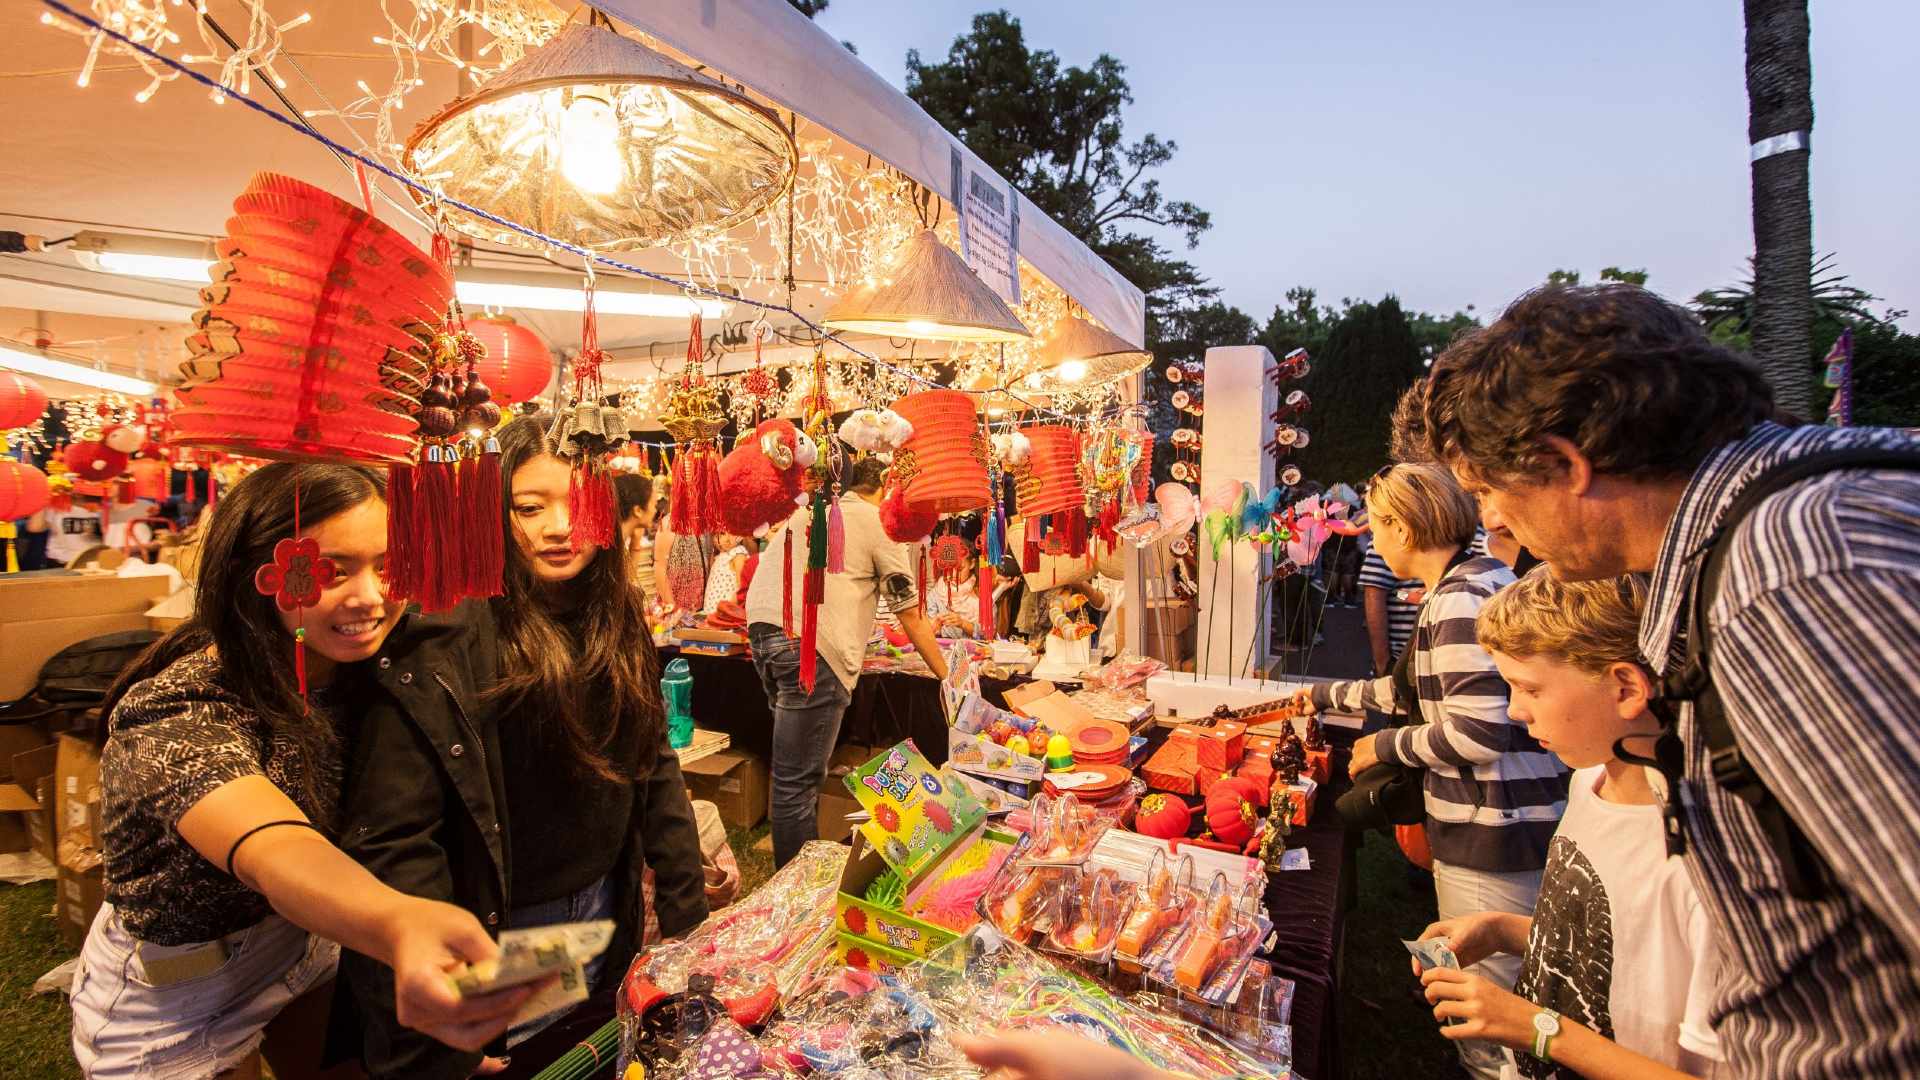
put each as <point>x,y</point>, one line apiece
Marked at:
<point>695,418</point>
<point>947,453</point>
<point>760,480</point>
<point>21,400</point>
<point>517,365</point>
<point>592,430</point>
<point>24,491</point>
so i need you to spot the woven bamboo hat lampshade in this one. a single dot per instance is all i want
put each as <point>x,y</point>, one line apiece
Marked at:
<point>944,463</point>
<point>1080,354</point>
<point>931,294</point>
<point>598,140</point>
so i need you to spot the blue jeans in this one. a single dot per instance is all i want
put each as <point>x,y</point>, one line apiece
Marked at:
<point>593,902</point>
<point>805,727</point>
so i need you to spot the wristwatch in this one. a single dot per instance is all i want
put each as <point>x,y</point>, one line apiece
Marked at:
<point>1546,1024</point>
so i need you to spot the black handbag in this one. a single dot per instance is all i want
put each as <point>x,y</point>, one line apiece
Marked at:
<point>1387,794</point>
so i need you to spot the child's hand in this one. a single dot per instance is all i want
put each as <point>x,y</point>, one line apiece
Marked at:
<point>1364,758</point>
<point>1472,938</point>
<point>1484,1010</point>
<point>1303,703</point>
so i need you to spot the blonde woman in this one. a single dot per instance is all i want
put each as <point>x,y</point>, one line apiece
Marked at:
<point>1493,796</point>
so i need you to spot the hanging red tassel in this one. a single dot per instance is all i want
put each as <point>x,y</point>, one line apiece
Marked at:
<point>480,490</point>
<point>836,540</point>
<point>816,591</point>
<point>193,495</point>
<point>679,517</point>
<point>213,490</point>
<point>706,469</point>
<point>1030,547</point>
<point>920,574</point>
<point>436,500</point>
<point>402,571</point>
<point>590,506</point>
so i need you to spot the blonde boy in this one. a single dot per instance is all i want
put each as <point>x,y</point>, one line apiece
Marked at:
<point>1619,966</point>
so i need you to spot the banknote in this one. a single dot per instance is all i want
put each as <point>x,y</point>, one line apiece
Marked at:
<point>1433,952</point>
<point>536,953</point>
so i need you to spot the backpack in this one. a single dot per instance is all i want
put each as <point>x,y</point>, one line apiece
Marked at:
<point>1807,877</point>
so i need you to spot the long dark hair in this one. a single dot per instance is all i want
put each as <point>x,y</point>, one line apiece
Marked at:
<point>610,647</point>
<point>241,623</point>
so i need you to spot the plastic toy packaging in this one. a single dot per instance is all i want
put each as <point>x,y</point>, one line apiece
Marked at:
<point>1064,829</point>
<point>1021,901</point>
<point>859,1025</point>
<point>1210,957</point>
<point>1089,908</point>
<point>1161,906</point>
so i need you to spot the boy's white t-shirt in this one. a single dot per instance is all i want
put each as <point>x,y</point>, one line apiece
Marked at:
<point>1620,941</point>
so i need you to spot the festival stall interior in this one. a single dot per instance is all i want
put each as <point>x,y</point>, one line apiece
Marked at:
<point>705,246</point>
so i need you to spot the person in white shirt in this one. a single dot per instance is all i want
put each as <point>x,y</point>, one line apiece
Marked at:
<point>1620,964</point>
<point>806,722</point>
<point>72,525</point>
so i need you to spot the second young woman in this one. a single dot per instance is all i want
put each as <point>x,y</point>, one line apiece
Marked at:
<point>516,759</point>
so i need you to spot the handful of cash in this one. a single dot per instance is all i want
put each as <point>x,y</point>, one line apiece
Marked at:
<point>1434,952</point>
<point>537,953</point>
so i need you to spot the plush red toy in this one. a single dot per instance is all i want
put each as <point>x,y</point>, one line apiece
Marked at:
<point>94,461</point>
<point>760,479</point>
<point>1233,807</point>
<point>903,523</point>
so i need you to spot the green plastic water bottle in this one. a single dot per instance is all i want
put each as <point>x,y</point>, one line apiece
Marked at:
<point>676,689</point>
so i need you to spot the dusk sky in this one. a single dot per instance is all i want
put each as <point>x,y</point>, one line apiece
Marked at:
<point>1454,153</point>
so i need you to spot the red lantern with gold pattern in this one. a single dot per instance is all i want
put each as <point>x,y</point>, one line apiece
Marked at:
<point>21,400</point>
<point>23,489</point>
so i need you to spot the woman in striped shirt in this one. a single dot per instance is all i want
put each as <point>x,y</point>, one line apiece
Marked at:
<point>1493,796</point>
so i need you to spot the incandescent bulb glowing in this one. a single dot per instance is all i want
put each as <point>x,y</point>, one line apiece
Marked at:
<point>1071,370</point>
<point>921,327</point>
<point>589,145</point>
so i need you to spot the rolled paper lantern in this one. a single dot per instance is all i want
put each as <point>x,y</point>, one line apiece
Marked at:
<point>93,462</point>
<point>313,343</point>
<point>23,489</point>
<point>150,479</point>
<point>21,400</point>
<point>946,459</point>
<point>518,365</point>
<point>1051,483</point>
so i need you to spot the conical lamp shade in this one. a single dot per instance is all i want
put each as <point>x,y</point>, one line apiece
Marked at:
<point>1080,354</point>
<point>598,140</point>
<point>933,296</point>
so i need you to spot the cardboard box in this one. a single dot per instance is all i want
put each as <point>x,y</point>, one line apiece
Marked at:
<point>77,900</point>
<point>858,952</point>
<point>831,817</point>
<point>42,612</point>
<point>16,739</point>
<point>736,783</point>
<point>25,822</point>
<point>76,801</point>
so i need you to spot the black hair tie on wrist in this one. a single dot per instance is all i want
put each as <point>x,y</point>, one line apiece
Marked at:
<point>245,836</point>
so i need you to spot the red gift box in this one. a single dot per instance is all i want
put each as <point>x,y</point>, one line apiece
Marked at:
<point>1205,776</point>
<point>1303,796</point>
<point>1220,746</point>
<point>1172,767</point>
<point>1259,769</point>
<point>1319,765</point>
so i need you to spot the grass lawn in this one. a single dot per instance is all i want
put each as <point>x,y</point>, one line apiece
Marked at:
<point>33,1030</point>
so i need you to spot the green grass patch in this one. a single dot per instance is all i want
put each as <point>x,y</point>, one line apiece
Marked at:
<point>33,1030</point>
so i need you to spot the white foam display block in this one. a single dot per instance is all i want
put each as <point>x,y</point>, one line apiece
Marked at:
<point>1179,694</point>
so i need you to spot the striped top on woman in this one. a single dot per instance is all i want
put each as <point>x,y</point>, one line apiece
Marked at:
<point>1493,795</point>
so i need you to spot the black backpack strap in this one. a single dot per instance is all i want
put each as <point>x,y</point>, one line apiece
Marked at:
<point>1806,875</point>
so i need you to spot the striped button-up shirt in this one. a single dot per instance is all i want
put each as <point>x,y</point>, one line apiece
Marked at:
<point>1815,653</point>
<point>1493,796</point>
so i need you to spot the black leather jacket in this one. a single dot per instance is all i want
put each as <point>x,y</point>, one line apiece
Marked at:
<point>424,808</point>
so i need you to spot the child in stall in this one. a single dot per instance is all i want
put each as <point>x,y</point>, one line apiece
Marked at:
<point>1619,964</point>
<point>723,578</point>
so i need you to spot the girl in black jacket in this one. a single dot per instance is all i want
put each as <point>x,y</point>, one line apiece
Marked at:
<point>514,758</point>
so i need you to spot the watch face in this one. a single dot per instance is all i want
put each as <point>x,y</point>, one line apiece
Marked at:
<point>1546,1023</point>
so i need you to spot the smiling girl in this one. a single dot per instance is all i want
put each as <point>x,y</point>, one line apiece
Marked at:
<point>220,791</point>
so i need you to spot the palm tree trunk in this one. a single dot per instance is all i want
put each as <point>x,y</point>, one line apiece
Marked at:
<point>1780,103</point>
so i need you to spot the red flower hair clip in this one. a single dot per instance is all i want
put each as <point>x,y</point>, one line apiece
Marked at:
<point>296,575</point>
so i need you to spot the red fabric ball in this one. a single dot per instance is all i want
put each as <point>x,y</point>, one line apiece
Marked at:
<point>754,489</point>
<point>21,400</point>
<point>1166,817</point>
<point>905,523</point>
<point>94,461</point>
<point>23,489</point>
<point>1232,810</point>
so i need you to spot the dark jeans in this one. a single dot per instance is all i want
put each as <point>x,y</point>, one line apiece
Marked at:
<point>805,727</point>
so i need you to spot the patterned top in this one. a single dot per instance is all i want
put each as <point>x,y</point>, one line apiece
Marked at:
<point>173,739</point>
<point>1493,796</point>
<point>1815,628</point>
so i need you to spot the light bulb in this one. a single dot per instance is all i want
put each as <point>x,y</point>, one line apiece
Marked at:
<point>921,327</point>
<point>590,145</point>
<point>1071,370</point>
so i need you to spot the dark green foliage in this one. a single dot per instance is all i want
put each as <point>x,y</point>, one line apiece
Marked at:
<point>1886,374</point>
<point>1370,356</point>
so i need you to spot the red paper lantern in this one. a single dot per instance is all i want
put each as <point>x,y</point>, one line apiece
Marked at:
<point>93,462</point>
<point>21,400</point>
<point>945,462</point>
<point>1050,481</point>
<point>150,479</point>
<point>23,489</point>
<point>518,364</point>
<point>314,340</point>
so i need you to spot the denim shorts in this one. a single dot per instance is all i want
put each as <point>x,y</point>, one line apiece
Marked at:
<point>126,1028</point>
<point>593,902</point>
